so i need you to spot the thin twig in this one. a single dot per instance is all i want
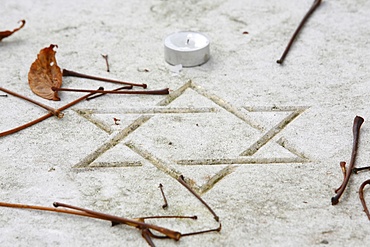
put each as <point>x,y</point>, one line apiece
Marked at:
<point>146,234</point>
<point>42,208</point>
<point>315,4</point>
<point>105,56</point>
<point>46,116</point>
<point>168,217</point>
<point>22,127</point>
<point>165,205</point>
<point>356,170</point>
<point>76,74</point>
<point>137,223</point>
<point>170,233</point>
<point>151,92</point>
<point>117,89</point>
<point>357,122</point>
<point>55,112</point>
<point>181,179</point>
<point>344,171</point>
<point>93,214</point>
<point>362,199</point>
<point>218,229</point>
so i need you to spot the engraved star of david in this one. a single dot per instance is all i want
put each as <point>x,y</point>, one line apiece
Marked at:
<point>192,127</point>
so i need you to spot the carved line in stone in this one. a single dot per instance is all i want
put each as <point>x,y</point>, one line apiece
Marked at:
<point>115,164</point>
<point>217,100</point>
<point>174,94</point>
<point>240,161</point>
<point>275,108</point>
<point>166,167</point>
<point>285,144</point>
<point>272,132</point>
<point>227,106</point>
<point>112,142</point>
<point>167,110</point>
<point>87,114</point>
<point>215,178</point>
<point>160,164</point>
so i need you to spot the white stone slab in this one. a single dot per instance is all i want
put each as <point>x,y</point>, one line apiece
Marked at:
<point>261,142</point>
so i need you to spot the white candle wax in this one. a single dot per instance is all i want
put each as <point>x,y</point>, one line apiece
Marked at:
<point>186,48</point>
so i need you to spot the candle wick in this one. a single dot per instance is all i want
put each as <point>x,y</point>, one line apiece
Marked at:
<point>187,41</point>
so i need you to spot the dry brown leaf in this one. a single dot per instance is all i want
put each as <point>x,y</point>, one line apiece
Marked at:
<point>7,33</point>
<point>45,74</point>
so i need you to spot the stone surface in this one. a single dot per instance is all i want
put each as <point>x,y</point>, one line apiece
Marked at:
<point>260,142</point>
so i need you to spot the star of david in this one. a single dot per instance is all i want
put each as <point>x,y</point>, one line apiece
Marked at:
<point>194,132</point>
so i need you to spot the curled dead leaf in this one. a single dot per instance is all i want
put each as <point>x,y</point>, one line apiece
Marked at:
<point>45,74</point>
<point>7,33</point>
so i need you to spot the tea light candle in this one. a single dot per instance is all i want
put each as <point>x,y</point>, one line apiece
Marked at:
<point>186,48</point>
